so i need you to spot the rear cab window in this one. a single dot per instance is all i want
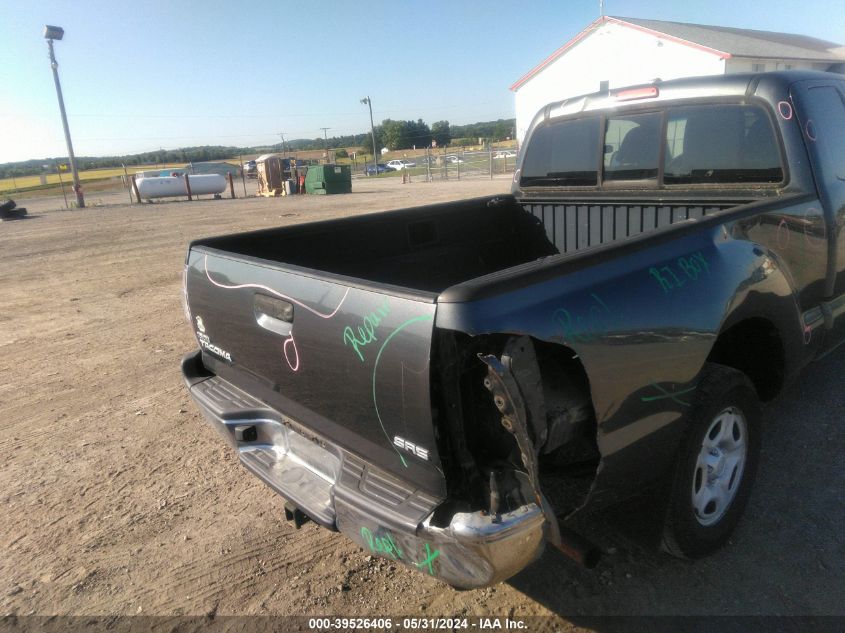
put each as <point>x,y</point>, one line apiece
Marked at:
<point>723,144</point>
<point>632,147</point>
<point>717,143</point>
<point>563,154</point>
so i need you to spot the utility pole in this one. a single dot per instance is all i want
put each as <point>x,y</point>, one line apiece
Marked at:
<point>326,141</point>
<point>282,134</point>
<point>57,33</point>
<point>366,100</point>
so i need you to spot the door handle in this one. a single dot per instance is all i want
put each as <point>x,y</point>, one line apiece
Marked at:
<point>273,314</point>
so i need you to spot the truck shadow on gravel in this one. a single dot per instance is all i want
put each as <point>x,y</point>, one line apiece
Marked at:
<point>785,557</point>
<point>17,218</point>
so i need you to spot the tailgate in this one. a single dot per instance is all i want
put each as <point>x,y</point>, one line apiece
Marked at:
<point>350,362</point>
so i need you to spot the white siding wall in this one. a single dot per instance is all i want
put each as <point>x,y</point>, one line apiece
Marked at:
<point>618,54</point>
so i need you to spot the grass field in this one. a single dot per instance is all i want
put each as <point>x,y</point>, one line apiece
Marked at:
<point>28,182</point>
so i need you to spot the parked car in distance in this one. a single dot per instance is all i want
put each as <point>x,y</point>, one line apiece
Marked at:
<point>505,154</point>
<point>373,170</point>
<point>400,163</point>
<point>451,158</point>
<point>251,169</point>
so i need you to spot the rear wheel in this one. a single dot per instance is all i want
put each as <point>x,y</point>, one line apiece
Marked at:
<point>716,465</point>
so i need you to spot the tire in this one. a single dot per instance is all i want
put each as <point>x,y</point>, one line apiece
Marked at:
<point>716,464</point>
<point>17,213</point>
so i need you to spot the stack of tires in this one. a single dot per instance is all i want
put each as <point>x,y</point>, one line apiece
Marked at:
<point>9,210</point>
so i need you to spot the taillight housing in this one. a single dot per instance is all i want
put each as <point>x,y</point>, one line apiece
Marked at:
<point>633,94</point>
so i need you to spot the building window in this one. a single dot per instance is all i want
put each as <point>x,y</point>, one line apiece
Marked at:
<point>758,68</point>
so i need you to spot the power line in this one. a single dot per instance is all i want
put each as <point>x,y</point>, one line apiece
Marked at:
<point>267,116</point>
<point>255,135</point>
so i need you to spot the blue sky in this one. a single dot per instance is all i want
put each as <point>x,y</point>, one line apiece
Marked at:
<point>146,74</point>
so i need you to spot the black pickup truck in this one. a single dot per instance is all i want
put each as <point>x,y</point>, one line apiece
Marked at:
<point>449,385</point>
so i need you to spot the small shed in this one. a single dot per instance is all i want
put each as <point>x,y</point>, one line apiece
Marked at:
<point>273,172</point>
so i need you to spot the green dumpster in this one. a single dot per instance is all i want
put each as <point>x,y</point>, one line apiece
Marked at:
<point>328,179</point>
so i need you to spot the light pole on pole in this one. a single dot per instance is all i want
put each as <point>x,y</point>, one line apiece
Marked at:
<point>366,100</point>
<point>284,153</point>
<point>57,33</point>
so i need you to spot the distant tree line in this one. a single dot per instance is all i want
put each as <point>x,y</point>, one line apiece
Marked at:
<point>182,155</point>
<point>396,135</point>
<point>390,133</point>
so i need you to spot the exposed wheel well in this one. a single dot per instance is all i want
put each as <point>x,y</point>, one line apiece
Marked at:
<point>754,347</point>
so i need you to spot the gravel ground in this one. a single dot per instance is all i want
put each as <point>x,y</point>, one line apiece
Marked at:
<point>118,499</point>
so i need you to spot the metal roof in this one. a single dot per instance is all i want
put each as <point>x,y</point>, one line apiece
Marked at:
<point>747,42</point>
<point>718,40</point>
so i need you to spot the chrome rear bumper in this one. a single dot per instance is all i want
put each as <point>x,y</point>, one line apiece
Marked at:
<point>386,516</point>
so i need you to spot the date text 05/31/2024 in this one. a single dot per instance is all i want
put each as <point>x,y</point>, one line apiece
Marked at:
<point>387,623</point>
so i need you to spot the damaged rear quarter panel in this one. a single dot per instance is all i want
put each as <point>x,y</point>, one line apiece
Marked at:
<point>642,324</point>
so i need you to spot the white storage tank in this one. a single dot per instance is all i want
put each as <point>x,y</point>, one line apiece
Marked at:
<point>164,186</point>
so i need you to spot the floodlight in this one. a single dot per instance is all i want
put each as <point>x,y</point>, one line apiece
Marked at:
<point>53,32</point>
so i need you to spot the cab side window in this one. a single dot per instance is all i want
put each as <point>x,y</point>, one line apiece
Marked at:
<point>824,131</point>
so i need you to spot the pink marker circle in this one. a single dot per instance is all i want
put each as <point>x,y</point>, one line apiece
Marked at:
<point>289,341</point>
<point>810,130</point>
<point>785,109</point>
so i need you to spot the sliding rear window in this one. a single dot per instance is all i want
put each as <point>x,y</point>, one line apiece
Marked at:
<point>563,154</point>
<point>632,147</point>
<point>720,144</point>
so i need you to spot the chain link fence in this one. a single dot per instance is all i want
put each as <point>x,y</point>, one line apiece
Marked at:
<point>446,164</point>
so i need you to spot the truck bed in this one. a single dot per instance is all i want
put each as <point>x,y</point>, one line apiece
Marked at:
<point>431,248</point>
